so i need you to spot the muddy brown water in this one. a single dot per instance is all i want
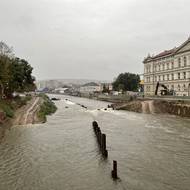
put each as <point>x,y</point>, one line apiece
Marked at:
<point>153,151</point>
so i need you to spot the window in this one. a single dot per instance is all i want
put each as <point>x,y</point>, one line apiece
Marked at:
<point>159,67</point>
<point>163,77</point>
<point>167,65</point>
<point>172,76</point>
<point>172,87</point>
<point>184,87</point>
<point>179,87</point>
<point>163,67</point>
<point>184,75</point>
<point>159,78</point>
<point>168,77</point>
<point>178,75</point>
<point>179,62</point>
<point>148,79</point>
<point>185,61</point>
<point>172,65</point>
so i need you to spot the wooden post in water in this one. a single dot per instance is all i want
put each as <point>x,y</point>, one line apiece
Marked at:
<point>95,126</point>
<point>114,171</point>
<point>94,123</point>
<point>101,138</point>
<point>103,146</point>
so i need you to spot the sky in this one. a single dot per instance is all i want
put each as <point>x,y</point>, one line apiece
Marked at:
<point>91,39</point>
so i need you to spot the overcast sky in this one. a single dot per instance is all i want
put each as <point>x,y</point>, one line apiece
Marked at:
<point>94,39</point>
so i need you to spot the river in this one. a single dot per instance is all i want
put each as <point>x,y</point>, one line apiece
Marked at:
<point>153,151</point>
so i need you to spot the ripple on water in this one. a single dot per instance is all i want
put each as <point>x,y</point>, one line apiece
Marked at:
<point>152,151</point>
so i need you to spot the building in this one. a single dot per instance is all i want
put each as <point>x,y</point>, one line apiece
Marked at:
<point>90,88</point>
<point>170,68</point>
<point>108,86</point>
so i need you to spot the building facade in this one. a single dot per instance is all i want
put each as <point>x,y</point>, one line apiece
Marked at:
<point>170,68</point>
<point>90,88</point>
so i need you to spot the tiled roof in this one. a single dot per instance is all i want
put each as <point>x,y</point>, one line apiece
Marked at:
<point>166,52</point>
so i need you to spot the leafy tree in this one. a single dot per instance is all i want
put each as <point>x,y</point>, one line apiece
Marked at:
<point>105,89</point>
<point>15,73</point>
<point>127,82</point>
<point>5,64</point>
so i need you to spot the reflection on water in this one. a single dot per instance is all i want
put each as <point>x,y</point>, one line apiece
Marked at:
<point>152,151</point>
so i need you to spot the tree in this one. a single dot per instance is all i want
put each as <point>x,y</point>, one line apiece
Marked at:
<point>126,82</point>
<point>5,63</point>
<point>22,79</point>
<point>5,50</point>
<point>105,89</point>
<point>15,73</point>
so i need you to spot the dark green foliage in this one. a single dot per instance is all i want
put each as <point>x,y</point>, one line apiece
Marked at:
<point>105,89</point>
<point>7,108</point>
<point>15,73</point>
<point>127,82</point>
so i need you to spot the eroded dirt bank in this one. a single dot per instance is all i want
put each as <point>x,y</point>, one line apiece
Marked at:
<point>180,108</point>
<point>27,114</point>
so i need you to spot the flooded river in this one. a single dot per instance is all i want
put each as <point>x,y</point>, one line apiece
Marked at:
<point>153,151</point>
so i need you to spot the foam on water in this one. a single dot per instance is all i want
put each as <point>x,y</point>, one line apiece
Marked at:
<point>159,127</point>
<point>69,102</point>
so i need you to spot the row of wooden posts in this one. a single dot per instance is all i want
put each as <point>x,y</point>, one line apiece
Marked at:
<point>101,139</point>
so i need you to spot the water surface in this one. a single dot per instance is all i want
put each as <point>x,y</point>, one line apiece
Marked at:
<point>152,151</point>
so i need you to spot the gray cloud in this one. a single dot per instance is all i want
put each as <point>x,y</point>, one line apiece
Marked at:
<point>91,38</point>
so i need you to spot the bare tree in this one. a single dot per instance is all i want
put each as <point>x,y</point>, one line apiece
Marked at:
<point>5,50</point>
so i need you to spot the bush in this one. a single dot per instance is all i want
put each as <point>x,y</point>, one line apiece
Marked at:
<point>7,108</point>
<point>47,108</point>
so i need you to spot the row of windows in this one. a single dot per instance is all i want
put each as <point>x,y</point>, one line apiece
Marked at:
<point>167,77</point>
<point>170,77</point>
<point>167,66</point>
<point>163,66</point>
<point>178,87</point>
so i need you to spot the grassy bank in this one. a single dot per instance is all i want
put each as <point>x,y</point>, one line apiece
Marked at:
<point>47,108</point>
<point>11,105</point>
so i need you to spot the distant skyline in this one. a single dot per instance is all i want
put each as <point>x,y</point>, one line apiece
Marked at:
<point>91,39</point>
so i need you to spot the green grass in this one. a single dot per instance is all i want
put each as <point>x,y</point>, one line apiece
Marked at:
<point>47,108</point>
<point>9,106</point>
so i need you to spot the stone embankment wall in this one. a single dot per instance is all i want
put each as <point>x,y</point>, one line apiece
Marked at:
<point>180,108</point>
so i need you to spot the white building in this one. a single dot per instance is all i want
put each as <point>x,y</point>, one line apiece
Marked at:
<point>170,68</point>
<point>108,86</point>
<point>90,88</point>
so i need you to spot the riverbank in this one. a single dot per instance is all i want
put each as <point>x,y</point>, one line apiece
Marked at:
<point>174,107</point>
<point>23,111</point>
<point>148,105</point>
<point>46,108</point>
